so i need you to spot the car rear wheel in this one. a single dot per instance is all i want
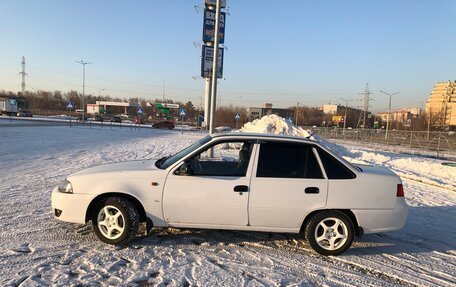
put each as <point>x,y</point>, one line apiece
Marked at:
<point>330,232</point>
<point>115,220</point>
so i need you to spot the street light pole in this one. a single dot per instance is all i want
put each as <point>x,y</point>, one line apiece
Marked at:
<point>389,111</point>
<point>99,100</point>
<point>297,111</point>
<point>83,85</point>
<point>345,117</point>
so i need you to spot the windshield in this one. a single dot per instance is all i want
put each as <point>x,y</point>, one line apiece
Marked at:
<point>166,162</point>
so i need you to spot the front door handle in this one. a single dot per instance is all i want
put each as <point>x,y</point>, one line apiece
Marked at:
<point>312,190</point>
<point>241,188</point>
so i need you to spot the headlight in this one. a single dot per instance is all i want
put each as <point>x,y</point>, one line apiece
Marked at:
<point>66,187</point>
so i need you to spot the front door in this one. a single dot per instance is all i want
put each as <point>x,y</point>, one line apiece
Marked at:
<point>212,188</point>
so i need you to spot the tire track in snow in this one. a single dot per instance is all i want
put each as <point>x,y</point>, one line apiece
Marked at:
<point>303,249</point>
<point>277,259</point>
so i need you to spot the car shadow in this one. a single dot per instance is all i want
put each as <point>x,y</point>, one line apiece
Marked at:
<point>428,229</point>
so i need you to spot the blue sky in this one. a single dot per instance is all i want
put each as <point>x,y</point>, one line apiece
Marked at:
<point>283,52</point>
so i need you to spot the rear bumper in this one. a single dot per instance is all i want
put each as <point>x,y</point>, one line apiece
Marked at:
<point>70,207</point>
<point>383,220</point>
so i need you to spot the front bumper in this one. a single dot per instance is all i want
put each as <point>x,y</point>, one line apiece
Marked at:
<point>70,207</point>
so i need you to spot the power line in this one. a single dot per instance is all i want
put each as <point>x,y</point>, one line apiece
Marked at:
<point>160,86</point>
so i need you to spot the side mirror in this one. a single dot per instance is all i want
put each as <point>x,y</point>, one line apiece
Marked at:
<point>184,169</point>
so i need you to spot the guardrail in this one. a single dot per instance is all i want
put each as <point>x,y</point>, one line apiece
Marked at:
<point>437,144</point>
<point>10,122</point>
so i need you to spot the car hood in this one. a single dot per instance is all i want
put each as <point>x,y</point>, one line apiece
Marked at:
<point>128,166</point>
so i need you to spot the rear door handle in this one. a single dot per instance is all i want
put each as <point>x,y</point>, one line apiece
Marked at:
<point>312,190</point>
<point>241,188</point>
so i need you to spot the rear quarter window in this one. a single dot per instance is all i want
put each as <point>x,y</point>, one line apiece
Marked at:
<point>333,167</point>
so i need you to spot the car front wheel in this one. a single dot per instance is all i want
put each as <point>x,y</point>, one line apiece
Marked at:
<point>330,232</point>
<point>115,220</point>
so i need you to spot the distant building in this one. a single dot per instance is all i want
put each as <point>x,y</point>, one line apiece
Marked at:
<point>441,106</point>
<point>267,109</point>
<point>333,109</point>
<point>353,115</point>
<point>338,109</point>
<point>112,107</point>
<point>403,116</point>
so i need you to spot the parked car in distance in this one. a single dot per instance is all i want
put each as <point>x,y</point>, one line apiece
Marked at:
<point>116,119</point>
<point>98,118</point>
<point>166,124</point>
<point>79,118</point>
<point>223,129</point>
<point>238,181</point>
<point>24,114</point>
<point>139,121</point>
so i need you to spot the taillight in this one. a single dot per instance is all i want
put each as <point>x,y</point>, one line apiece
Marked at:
<point>400,191</point>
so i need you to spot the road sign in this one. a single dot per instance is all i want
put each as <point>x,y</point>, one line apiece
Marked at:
<point>237,116</point>
<point>182,112</point>
<point>209,26</point>
<point>140,111</point>
<point>70,105</point>
<point>207,61</point>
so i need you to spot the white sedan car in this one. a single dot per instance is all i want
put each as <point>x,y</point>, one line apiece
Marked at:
<point>238,181</point>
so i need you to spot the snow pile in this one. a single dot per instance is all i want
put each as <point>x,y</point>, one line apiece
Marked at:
<point>421,169</point>
<point>273,124</point>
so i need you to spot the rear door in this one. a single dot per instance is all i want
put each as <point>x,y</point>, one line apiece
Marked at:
<point>287,183</point>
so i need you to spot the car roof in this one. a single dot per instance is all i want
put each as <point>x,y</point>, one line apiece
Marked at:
<point>262,136</point>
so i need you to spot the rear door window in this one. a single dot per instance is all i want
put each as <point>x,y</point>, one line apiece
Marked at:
<point>287,160</point>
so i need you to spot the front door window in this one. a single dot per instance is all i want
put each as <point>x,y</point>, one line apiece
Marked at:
<point>223,159</point>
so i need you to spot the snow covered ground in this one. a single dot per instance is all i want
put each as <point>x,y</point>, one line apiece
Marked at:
<point>37,250</point>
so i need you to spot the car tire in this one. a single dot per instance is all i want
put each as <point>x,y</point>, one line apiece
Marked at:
<point>330,232</point>
<point>121,224</point>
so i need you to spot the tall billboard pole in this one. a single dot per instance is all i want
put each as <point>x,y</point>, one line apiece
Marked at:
<point>214,69</point>
<point>207,102</point>
<point>213,35</point>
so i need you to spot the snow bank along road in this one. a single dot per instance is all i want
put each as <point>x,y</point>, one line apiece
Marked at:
<point>37,250</point>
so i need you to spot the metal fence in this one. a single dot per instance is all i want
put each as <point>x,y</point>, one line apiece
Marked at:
<point>435,144</point>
